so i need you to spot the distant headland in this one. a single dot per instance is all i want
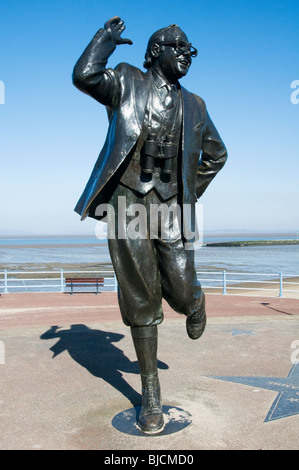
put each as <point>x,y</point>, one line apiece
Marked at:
<point>255,243</point>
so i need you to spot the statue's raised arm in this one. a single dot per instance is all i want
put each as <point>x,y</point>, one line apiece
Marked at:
<point>90,75</point>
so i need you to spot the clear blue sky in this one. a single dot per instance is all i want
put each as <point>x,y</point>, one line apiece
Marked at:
<point>51,134</point>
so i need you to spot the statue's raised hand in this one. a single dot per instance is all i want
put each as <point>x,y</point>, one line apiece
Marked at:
<point>115,26</point>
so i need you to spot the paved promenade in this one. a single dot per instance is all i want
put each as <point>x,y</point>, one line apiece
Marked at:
<point>69,377</point>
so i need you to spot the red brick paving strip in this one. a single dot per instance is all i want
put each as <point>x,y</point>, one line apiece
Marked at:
<point>45,309</point>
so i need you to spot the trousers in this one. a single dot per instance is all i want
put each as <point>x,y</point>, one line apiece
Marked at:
<point>149,259</point>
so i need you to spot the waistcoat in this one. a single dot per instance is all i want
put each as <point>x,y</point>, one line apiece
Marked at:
<point>163,117</point>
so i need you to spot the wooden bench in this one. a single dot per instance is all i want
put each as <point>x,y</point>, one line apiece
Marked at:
<point>84,282</point>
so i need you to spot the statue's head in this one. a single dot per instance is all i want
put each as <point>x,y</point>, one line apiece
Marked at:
<point>168,49</point>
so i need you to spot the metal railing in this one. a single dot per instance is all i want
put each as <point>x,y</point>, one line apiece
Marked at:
<point>18,281</point>
<point>235,281</point>
<point>223,281</point>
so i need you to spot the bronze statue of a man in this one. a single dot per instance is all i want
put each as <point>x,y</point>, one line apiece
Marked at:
<point>161,148</point>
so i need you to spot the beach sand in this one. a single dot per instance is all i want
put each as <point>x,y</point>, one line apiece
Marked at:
<point>54,267</point>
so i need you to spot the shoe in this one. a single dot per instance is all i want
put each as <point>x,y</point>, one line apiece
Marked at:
<point>196,323</point>
<point>151,416</point>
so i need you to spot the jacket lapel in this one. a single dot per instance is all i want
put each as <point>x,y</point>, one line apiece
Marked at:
<point>141,91</point>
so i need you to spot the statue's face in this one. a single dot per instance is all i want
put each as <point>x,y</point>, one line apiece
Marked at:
<point>174,57</point>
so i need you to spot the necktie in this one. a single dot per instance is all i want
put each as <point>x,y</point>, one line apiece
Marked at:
<point>169,101</point>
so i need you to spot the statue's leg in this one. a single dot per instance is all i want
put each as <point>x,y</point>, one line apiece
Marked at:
<point>180,286</point>
<point>140,302</point>
<point>145,341</point>
<point>135,265</point>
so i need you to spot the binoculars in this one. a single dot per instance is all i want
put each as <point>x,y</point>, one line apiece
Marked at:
<point>165,152</point>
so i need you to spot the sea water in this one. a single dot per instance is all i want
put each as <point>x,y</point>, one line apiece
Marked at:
<point>66,250</point>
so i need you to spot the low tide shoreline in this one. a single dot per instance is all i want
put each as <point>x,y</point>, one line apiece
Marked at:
<point>235,243</point>
<point>55,267</point>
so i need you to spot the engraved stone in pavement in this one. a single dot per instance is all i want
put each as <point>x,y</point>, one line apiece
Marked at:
<point>287,401</point>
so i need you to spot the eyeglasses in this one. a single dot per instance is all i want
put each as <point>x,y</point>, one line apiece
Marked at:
<point>181,47</point>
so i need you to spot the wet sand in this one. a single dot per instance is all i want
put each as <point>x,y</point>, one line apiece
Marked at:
<point>55,267</point>
<point>53,245</point>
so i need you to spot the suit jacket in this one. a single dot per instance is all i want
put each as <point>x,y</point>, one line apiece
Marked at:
<point>124,91</point>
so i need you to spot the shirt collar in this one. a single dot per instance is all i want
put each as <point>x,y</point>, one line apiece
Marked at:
<point>161,82</point>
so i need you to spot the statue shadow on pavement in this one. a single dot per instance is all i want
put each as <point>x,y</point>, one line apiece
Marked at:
<point>94,350</point>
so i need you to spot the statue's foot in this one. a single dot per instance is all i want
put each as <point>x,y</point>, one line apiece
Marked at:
<point>196,323</point>
<point>151,416</point>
